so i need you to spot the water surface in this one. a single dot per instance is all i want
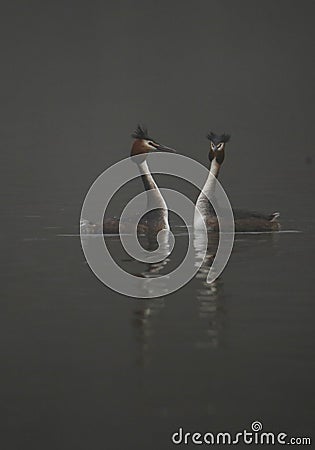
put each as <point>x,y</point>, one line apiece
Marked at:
<point>84,365</point>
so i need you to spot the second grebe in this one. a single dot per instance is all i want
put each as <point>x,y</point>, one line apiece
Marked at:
<point>157,219</point>
<point>244,220</point>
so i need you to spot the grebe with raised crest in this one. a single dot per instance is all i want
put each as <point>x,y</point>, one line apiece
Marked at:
<point>156,219</point>
<point>246,221</point>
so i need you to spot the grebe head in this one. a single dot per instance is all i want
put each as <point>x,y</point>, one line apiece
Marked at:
<point>217,145</point>
<point>143,144</point>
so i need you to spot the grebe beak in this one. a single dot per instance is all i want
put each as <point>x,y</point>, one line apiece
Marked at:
<point>163,148</point>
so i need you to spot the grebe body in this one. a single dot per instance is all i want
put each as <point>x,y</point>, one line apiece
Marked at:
<point>245,221</point>
<point>156,219</point>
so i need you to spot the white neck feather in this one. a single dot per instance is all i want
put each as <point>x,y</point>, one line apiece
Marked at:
<point>202,203</point>
<point>154,199</point>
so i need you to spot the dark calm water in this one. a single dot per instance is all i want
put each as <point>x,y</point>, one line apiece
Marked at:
<point>84,367</point>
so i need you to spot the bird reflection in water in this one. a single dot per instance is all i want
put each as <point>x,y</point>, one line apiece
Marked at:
<point>145,324</point>
<point>147,312</point>
<point>210,297</point>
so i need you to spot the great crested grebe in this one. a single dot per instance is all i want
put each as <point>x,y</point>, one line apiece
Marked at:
<point>157,219</point>
<point>244,220</point>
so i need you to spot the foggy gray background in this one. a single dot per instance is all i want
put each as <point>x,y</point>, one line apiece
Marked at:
<point>77,77</point>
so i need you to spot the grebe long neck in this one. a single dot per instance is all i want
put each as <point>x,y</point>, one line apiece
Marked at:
<point>205,208</point>
<point>155,199</point>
